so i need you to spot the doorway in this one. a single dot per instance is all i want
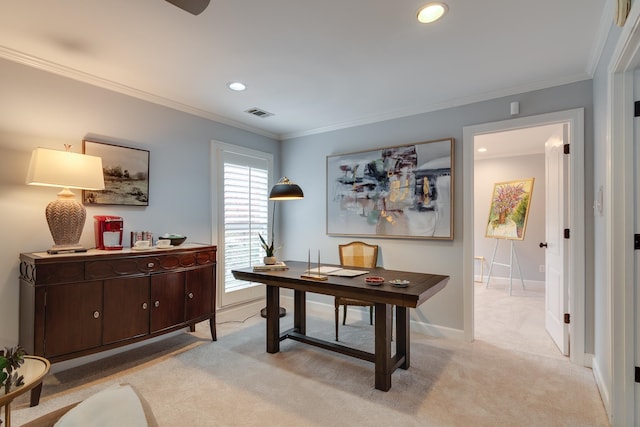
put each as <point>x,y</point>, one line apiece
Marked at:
<point>576,248</point>
<point>510,295</point>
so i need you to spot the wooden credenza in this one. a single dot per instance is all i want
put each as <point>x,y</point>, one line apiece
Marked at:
<point>72,305</point>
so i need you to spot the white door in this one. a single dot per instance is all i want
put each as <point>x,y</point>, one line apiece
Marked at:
<point>556,278</point>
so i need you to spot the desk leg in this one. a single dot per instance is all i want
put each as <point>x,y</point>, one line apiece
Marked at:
<point>383,346</point>
<point>402,335</point>
<point>273,319</point>
<point>300,311</point>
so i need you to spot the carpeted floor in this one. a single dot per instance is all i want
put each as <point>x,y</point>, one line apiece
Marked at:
<point>190,381</point>
<point>513,322</point>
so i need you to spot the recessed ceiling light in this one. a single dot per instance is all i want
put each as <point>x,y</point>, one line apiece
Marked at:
<point>237,86</point>
<point>482,150</point>
<point>431,12</point>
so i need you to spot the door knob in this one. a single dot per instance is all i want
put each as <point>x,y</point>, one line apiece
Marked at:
<point>543,245</point>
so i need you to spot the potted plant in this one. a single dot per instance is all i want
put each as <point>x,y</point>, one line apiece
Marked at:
<point>269,251</point>
<point>10,360</point>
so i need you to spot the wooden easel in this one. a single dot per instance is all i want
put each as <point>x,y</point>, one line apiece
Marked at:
<point>513,256</point>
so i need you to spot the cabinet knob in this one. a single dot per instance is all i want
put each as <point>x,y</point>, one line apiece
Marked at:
<point>144,305</point>
<point>190,294</point>
<point>150,265</point>
<point>157,303</point>
<point>96,314</point>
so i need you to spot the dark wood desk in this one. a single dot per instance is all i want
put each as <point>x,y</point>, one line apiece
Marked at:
<point>421,288</point>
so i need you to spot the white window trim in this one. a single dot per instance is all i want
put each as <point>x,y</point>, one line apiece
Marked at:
<point>217,220</point>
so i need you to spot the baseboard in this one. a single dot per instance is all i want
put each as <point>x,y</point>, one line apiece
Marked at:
<point>432,330</point>
<point>587,360</point>
<point>238,313</point>
<point>499,280</point>
<point>602,386</point>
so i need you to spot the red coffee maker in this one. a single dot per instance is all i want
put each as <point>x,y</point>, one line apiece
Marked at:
<point>109,230</point>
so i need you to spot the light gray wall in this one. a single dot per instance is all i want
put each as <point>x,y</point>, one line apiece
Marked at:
<point>42,109</point>
<point>530,255</point>
<point>304,159</point>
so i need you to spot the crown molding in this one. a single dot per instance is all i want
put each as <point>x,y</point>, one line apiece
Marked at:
<point>61,70</point>
<point>487,96</point>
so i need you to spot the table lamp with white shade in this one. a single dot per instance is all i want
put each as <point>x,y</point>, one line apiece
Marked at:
<point>66,215</point>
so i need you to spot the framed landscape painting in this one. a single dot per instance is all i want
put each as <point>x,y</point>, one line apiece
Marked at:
<point>404,191</point>
<point>509,211</point>
<point>126,175</point>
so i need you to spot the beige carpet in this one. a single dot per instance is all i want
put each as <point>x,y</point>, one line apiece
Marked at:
<point>513,321</point>
<point>190,381</point>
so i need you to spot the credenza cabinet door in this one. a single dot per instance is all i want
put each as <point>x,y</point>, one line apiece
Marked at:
<point>167,300</point>
<point>199,292</point>
<point>126,308</point>
<point>73,318</point>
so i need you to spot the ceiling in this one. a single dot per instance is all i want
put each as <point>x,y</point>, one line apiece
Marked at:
<point>315,65</point>
<point>517,142</point>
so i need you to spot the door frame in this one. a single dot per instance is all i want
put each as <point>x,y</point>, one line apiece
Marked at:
<point>619,211</point>
<point>576,244</point>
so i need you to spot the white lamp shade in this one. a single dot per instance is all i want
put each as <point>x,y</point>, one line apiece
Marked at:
<point>54,168</point>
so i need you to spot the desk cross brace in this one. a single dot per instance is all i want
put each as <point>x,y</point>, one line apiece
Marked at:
<point>385,363</point>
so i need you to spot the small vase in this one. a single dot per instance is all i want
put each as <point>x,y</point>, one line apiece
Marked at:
<point>502,217</point>
<point>269,260</point>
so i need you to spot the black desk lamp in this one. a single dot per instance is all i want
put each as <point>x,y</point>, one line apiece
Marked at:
<point>283,190</point>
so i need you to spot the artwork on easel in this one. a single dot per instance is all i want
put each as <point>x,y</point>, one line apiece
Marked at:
<point>509,210</point>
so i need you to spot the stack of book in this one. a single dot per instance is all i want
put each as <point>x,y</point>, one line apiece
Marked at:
<point>278,266</point>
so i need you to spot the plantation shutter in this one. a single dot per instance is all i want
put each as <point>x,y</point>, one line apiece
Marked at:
<point>246,213</point>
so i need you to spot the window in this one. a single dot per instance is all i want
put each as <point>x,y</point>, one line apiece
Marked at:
<point>243,214</point>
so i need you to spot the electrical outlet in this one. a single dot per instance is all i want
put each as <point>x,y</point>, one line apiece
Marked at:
<point>541,268</point>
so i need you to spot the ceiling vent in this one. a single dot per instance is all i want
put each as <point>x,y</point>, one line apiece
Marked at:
<point>258,112</point>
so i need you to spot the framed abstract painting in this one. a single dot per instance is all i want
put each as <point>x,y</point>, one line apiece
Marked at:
<point>404,191</point>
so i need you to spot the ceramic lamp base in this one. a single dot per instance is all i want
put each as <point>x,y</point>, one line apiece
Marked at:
<point>66,217</point>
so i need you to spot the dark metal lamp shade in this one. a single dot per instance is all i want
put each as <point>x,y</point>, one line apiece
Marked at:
<point>286,190</point>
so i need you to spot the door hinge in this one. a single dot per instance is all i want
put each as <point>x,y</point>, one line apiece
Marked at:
<point>567,318</point>
<point>638,374</point>
<point>566,149</point>
<point>566,233</point>
<point>636,109</point>
<point>636,241</point>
